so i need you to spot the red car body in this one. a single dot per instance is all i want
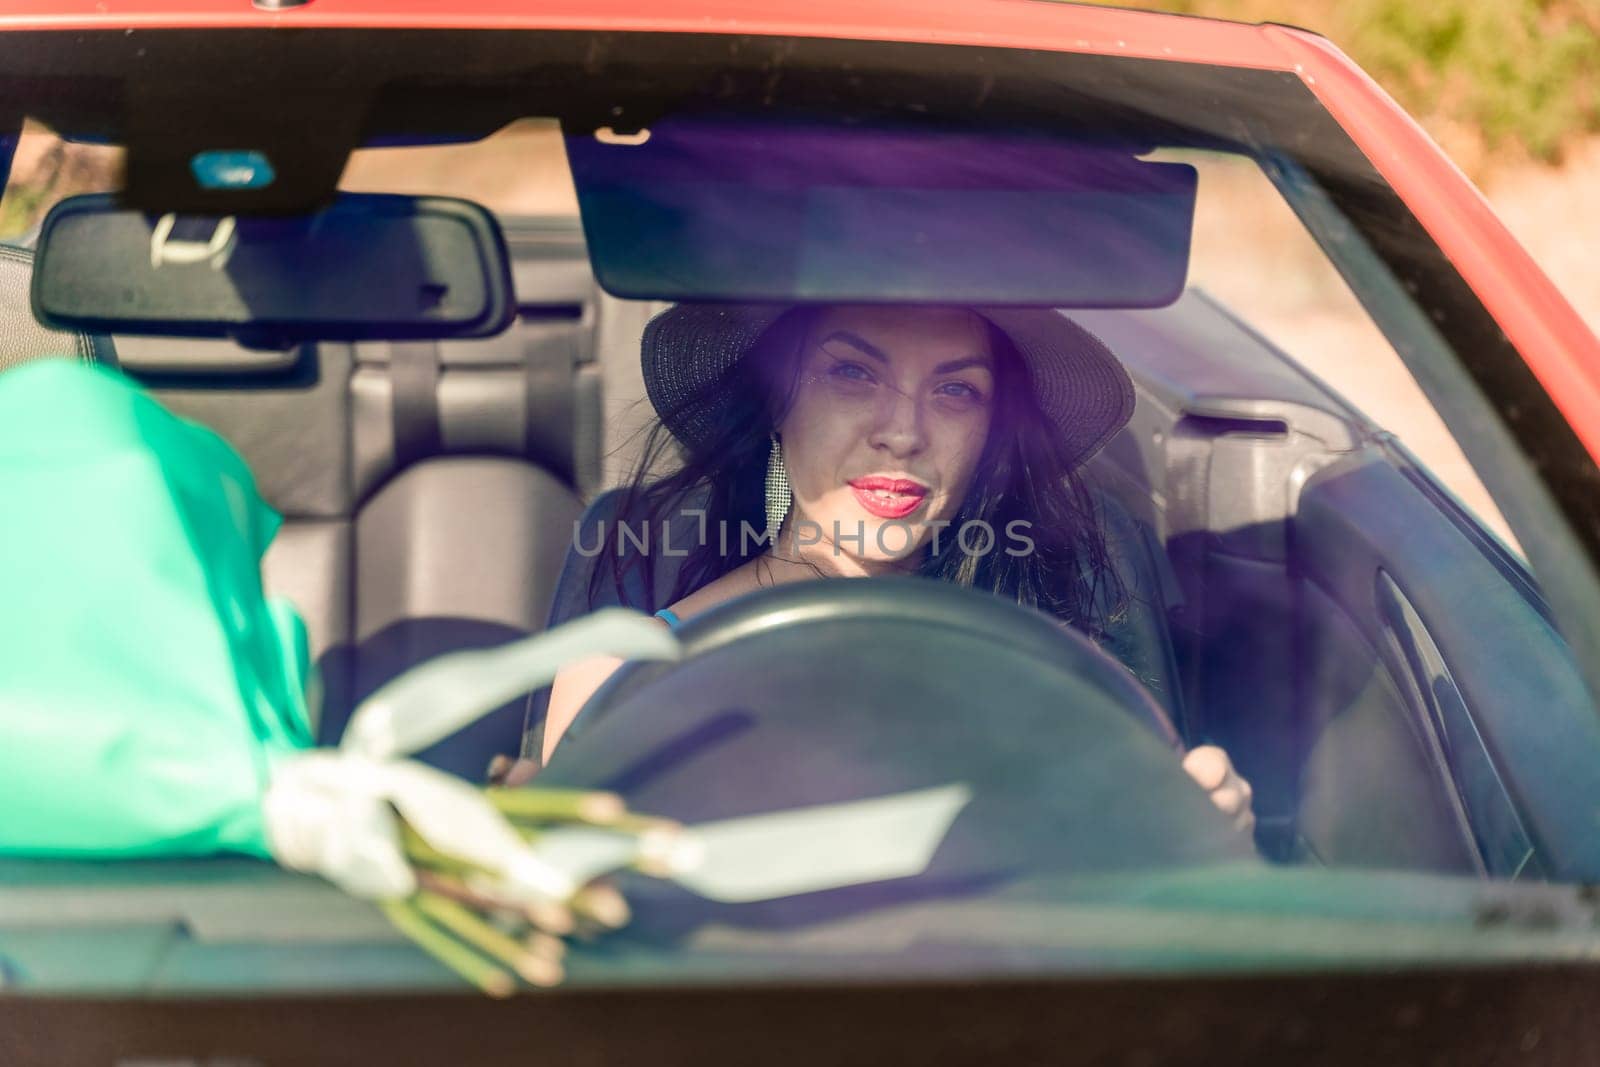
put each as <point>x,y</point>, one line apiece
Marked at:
<point>1245,1017</point>
<point>1560,349</point>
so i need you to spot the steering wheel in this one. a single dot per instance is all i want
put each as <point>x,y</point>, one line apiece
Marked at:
<point>822,692</point>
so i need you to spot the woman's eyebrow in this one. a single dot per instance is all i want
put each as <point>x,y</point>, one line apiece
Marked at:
<point>962,364</point>
<point>870,349</point>
<point>867,347</point>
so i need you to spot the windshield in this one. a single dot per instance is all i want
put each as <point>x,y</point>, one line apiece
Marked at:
<point>1211,615</point>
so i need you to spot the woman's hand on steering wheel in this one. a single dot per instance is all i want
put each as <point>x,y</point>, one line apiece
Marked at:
<point>1208,765</point>
<point>1211,768</point>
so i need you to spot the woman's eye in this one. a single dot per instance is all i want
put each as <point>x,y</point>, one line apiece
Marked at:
<point>850,372</point>
<point>961,391</point>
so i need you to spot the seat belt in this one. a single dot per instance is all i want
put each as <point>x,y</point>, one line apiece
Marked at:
<point>1188,485</point>
<point>550,366</point>
<point>414,408</point>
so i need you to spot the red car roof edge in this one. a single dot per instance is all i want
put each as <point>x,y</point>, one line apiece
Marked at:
<point>1559,347</point>
<point>1037,24</point>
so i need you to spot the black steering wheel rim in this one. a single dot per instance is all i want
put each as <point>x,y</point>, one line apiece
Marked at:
<point>978,616</point>
<point>830,692</point>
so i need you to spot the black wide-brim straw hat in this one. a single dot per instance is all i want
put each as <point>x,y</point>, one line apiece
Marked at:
<point>1077,382</point>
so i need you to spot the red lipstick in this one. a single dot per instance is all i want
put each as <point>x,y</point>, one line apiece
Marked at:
<point>889,498</point>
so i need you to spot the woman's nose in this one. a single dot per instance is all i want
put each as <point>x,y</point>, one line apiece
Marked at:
<point>898,427</point>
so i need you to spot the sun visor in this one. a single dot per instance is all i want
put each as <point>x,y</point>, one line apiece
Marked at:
<point>783,210</point>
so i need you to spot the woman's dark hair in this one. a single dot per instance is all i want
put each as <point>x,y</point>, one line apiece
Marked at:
<point>1023,474</point>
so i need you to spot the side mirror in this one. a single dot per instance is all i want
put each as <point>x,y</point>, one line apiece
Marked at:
<point>369,267</point>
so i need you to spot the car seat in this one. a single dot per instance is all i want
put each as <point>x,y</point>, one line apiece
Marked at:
<point>22,338</point>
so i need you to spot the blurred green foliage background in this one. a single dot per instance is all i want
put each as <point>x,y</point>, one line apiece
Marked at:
<point>1495,80</point>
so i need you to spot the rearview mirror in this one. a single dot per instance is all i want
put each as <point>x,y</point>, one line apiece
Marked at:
<point>720,208</point>
<point>367,267</point>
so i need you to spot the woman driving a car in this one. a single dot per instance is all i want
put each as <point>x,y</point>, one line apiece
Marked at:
<point>857,441</point>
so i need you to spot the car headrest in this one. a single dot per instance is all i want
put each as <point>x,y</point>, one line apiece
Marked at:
<point>22,338</point>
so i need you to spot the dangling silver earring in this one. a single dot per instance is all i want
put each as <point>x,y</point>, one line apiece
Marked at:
<point>779,498</point>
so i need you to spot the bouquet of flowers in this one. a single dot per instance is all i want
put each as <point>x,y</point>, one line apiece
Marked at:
<point>154,702</point>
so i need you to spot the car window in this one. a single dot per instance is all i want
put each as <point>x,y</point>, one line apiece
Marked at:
<point>1281,520</point>
<point>1254,254</point>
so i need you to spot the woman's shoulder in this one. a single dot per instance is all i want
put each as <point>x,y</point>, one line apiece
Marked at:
<point>740,580</point>
<point>758,573</point>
